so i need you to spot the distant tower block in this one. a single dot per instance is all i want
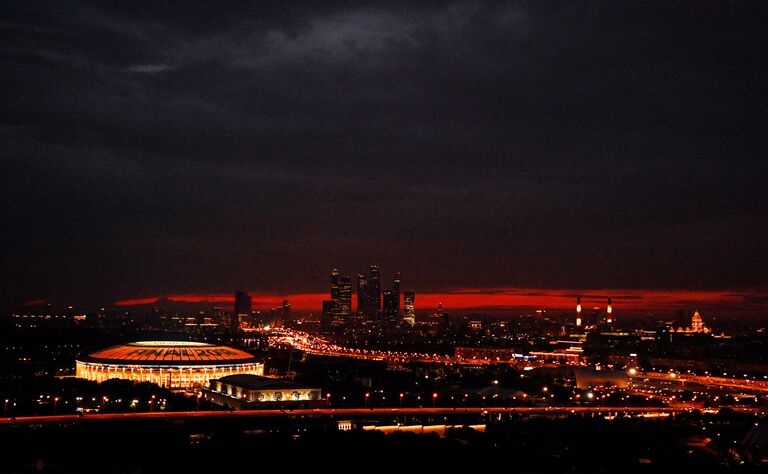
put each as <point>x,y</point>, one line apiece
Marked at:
<point>242,311</point>
<point>609,312</point>
<point>409,298</point>
<point>697,325</point>
<point>578,311</point>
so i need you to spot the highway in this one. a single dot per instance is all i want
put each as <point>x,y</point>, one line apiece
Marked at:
<point>350,412</point>
<point>709,381</point>
<point>318,346</point>
<point>315,345</point>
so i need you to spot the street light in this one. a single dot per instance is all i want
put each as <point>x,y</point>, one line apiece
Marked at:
<point>367,395</point>
<point>434,398</point>
<point>328,399</point>
<point>401,399</point>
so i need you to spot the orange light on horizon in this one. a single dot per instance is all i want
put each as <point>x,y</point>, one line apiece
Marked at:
<point>462,299</point>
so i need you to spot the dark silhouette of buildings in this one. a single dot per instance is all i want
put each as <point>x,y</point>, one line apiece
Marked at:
<point>344,304</point>
<point>392,303</point>
<point>335,276</point>
<point>286,314</point>
<point>396,290</point>
<point>390,307</point>
<point>362,295</point>
<point>329,309</point>
<point>369,298</point>
<point>373,300</point>
<point>243,308</point>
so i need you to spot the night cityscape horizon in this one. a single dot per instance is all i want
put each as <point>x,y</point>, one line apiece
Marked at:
<point>727,303</point>
<point>462,236</point>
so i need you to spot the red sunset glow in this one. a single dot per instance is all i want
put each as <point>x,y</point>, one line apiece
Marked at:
<point>504,298</point>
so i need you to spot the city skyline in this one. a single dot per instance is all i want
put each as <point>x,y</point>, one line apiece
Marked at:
<point>457,236</point>
<point>724,302</point>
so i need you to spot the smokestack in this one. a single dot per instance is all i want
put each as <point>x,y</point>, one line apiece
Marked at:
<point>578,311</point>
<point>609,311</point>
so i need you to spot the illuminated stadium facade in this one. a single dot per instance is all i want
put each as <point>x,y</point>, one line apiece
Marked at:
<point>176,365</point>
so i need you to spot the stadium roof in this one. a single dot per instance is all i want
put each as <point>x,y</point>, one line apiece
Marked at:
<point>169,353</point>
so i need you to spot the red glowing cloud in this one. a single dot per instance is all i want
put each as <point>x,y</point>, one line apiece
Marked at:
<point>468,299</point>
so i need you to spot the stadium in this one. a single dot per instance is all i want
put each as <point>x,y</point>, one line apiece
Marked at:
<point>176,365</point>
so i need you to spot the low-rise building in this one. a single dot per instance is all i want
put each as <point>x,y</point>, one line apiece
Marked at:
<point>248,392</point>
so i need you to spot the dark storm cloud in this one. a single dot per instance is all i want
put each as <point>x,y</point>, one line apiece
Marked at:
<point>158,148</point>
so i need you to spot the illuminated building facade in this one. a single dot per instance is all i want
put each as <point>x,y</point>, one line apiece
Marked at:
<point>409,304</point>
<point>335,275</point>
<point>341,295</point>
<point>176,365</point>
<point>489,355</point>
<point>697,325</point>
<point>242,392</point>
<point>344,305</point>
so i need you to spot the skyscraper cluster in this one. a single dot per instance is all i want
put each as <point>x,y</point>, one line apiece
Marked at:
<point>338,310</point>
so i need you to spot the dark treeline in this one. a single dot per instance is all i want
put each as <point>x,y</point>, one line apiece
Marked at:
<point>576,444</point>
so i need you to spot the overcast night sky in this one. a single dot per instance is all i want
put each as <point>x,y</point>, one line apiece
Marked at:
<point>157,148</point>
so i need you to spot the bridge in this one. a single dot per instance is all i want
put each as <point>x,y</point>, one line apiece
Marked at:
<point>364,413</point>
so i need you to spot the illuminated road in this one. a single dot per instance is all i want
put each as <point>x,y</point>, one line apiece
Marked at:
<point>315,345</point>
<point>318,346</point>
<point>352,412</point>
<point>710,381</point>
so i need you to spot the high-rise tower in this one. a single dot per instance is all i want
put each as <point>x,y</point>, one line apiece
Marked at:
<point>329,308</point>
<point>242,311</point>
<point>335,284</point>
<point>373,310</point>
<point>344,304</point>
<point>409,304</point>
<point>286,313</point>
<point>396,290</point>
<point>609,312</point>
<point>390,307</point>
<point>362,295</point>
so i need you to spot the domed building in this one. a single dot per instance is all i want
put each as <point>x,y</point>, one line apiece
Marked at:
<point>175,365</point>
<point>697,325</point>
